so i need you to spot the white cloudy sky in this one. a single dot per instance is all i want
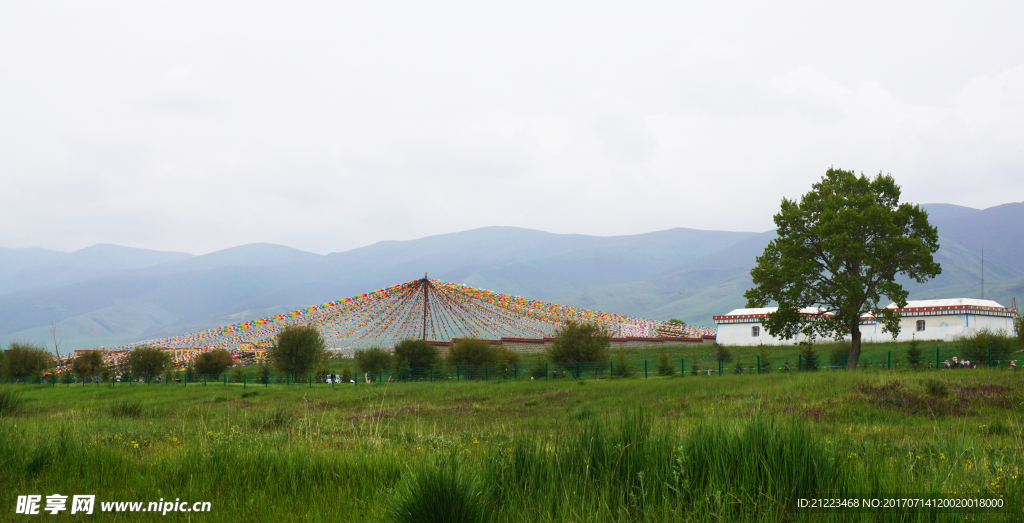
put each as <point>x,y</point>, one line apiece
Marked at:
<point>197,126</point>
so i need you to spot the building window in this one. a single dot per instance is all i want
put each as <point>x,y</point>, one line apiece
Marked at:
<point>755,331</point>
<point>920,325</point>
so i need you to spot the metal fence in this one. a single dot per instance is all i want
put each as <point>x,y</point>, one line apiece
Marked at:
<point>937,359</point>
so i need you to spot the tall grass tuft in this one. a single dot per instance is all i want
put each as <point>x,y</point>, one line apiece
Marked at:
<point>267,420</point>
<point>440,491</point>
<point>11,401</point>
<point>126,409</point>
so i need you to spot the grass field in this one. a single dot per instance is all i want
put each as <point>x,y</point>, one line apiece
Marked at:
<point>704,448</point>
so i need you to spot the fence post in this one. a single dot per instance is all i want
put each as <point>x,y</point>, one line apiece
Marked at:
<point>245,379</point>
<point>431,374</point>
<point>578,375</point>
<point>759,364</point>
<point>515,371</point>
<point>990,356</point>
<point>888,363</point>
<point>645,369</point>
<point>310,381</point>
<point>486,377</point>
<point>799,362</point>
<point>380,375</point>
<point>611,368</point>
<point>682,368</point>
<point>458,373</point>
<point>937,358</point>
<point>719,366</point>
<point>545,369</point>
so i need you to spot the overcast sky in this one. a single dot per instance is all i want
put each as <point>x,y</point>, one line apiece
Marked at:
<point>197,126</point>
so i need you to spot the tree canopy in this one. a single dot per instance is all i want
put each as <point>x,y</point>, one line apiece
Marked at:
<point>838,251</point>
<point>373,359</point>
<point>579,342</point>
<point>213,362</point>
<point>480,352</point>
<point>88,363</point>
<point>144,361</point>
<point>415,354</point>
<point>25,359</point>
<point>298,350</point>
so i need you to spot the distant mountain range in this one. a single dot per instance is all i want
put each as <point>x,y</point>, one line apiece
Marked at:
<point>109,295</point>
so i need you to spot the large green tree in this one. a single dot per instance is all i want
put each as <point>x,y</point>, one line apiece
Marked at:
<point>373,359</point>
<point>576,342</point>
<point>145,361</point>
<point>214,362</point>
<point>415,354</point>
<point>298,350</point>
<point>838,252</point>
<point>88,364</point>
<point>25,359</point>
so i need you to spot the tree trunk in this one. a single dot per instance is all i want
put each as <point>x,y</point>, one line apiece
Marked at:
<point>851,360</point>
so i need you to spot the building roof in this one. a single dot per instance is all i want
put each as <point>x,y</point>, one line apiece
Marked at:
<point>768,310</point>
<point>949,302</point>
<point>943,304</point>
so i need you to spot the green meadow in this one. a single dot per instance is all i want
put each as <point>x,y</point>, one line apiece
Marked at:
<point>681,448</point>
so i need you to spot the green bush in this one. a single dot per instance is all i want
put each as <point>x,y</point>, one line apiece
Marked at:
<point>213,363</point>
<point>839,354</point>
<point>415,354</point>
<point>471,352</point>
<point>579,342</point>
<point>25,359</point>
<point>976,345</point>
<point>298,350</point>
<point>144,361</point>
<point>721,352</point>
<point>373,359</point>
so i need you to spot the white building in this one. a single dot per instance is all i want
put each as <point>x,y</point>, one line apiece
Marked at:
<point>923,320</point>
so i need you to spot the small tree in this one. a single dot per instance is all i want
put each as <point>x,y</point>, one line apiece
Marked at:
<point>472,352</point>
<point>373,359</point>
<point>87,364</point>
<point>1019,325</point>
<point>738,369</point>
<point>298,350</point>
<point>579,342</point>
<point>766,362</point>
<point>621,365</point>
<point>213,363</point>
<point>694,369</point>
<point>810,357</point>
<point>144,361</point>
<point>914,353</point>
<point>26,359</point>
<point>416,354</point>
<point>664,366</point>
<point>721,352</point>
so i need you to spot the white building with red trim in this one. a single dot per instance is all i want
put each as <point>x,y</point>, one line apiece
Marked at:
<point>921,319</point>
